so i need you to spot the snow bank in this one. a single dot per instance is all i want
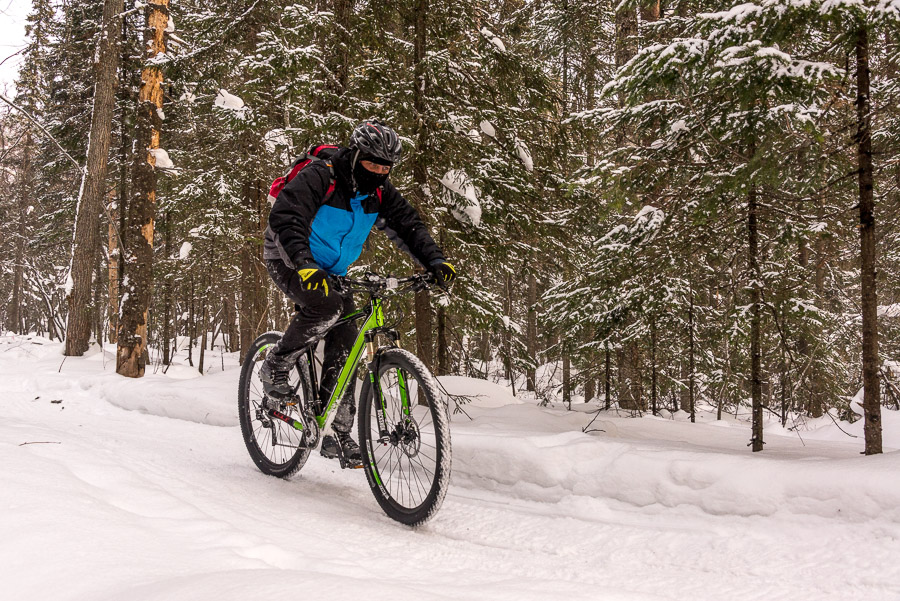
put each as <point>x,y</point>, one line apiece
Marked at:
<point>538,454</point>
<point>501,452</point>
<point>481,393</point>
<point>210,399</point>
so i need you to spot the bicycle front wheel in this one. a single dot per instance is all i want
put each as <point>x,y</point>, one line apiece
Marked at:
<point>277,449</point>
<point>407,461</point>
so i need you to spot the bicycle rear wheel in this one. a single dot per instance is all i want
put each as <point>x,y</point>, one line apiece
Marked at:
<point>409,467</point>
<point>276,448</point>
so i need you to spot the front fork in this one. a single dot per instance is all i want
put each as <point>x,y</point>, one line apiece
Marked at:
<point>373,365</point>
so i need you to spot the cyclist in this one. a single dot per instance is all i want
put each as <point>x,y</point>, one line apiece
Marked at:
<point>315,232</point>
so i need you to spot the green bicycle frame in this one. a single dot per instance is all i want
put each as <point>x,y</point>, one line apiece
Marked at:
<point>375,319</point>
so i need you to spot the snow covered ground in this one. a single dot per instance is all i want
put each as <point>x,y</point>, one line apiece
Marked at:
<point>142,489</point>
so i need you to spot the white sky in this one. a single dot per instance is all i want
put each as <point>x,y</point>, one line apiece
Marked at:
<point>12,39</point>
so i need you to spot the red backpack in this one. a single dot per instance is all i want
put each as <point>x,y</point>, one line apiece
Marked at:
<point>321,152</point>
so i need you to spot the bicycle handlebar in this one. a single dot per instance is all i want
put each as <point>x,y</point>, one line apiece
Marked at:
<point>375,283</point>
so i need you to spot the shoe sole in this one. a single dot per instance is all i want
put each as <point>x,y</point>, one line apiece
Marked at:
<point>345,464</point>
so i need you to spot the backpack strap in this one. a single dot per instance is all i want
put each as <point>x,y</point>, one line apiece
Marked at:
<point>331,182</point>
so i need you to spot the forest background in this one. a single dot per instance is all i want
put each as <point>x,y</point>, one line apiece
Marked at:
<point>659,204</point>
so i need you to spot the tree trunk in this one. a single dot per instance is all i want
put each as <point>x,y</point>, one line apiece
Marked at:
<point>443,347</point>
<point>870,366</point>
<point>86,242</point>
<point>691,360</point>
<point>424,342</point>
<point>341,50</point>
<point>607,380</point>
<point>254,291</point>
<point>484,351</point>
<point>16,317</point>
<point>567,378</point>
<point>755,352</point>
<point>112,307</point>
<point>507,338</point>
<point>531,334</point>
<point>653,383</point>
<point>650,11</point>
<point>204,323</point>
<point>192,321</point>
<point>134,331</point>
<point>168,275</point>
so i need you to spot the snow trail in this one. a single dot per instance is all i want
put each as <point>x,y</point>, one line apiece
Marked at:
<point>138,506</point>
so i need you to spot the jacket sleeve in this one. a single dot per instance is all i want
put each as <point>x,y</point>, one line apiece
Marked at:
<point>411,235</point>
<point>295,208</point>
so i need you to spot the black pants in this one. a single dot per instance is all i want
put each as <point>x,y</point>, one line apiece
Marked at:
<point>315,314</point>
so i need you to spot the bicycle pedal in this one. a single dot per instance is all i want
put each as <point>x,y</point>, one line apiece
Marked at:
<point>350,465</point>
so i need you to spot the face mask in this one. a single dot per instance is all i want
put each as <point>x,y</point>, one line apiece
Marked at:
<point>366,181</point>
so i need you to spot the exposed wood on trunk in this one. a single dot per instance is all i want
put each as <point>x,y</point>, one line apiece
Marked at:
<point>86,243</point>
<point>868,247</point>
<point>650,11</point>
<point>134,330</point>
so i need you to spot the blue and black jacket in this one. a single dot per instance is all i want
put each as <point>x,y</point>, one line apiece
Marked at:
<point>307,224</point>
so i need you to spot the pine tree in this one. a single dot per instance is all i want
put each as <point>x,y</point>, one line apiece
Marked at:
<point>137,281</point>
<point>86,238</point>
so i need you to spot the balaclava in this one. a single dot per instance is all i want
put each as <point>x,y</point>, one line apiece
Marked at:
<point>366,181</point>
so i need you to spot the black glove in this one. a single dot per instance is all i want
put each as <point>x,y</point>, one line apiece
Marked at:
<point>313,277</point>
<point>443,271</point>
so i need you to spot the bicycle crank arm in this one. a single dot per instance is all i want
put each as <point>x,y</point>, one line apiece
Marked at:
<point>288,420</point>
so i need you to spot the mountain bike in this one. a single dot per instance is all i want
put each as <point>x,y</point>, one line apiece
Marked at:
<point>404,424</point>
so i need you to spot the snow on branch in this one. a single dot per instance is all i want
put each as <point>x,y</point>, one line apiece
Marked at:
<point>468,212</point>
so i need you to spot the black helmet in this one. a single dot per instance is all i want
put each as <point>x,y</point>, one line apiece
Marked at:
<point>375,140</point>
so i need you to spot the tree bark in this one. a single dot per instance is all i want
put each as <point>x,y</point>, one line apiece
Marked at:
<point>134,330</point>
<point>341,50</point>
<point>531,335</point>
<point>254,301</point>
<point>650,11</point>
<point>16,317</point>
<point>113,250</point>
<point>607,379</point>
<point>507,339</point>
<point>870,365</point>
<point>653,382</point>
<point>443,347</point>
<point>86,242</point>
<point>168,275</point>
<point>691,360</point>
<point>756,439</point>
<point>424,340</point>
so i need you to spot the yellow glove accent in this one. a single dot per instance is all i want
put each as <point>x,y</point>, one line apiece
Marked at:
<point>452,268</point>
<point>306,274</point>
